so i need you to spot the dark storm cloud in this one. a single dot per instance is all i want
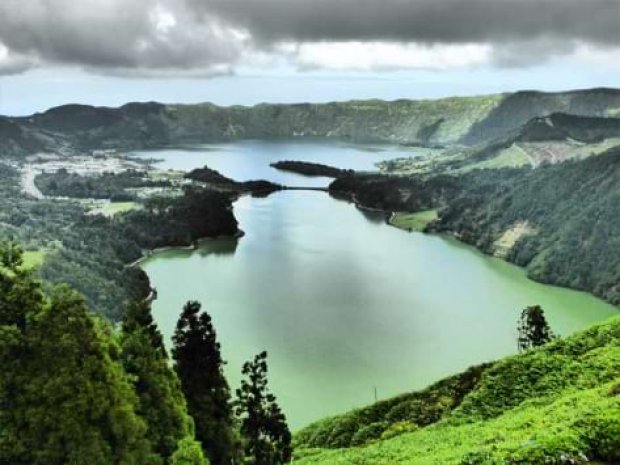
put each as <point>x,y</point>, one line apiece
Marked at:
<point>140,36</point>
<point>115,35</point>
<point>423,20</point>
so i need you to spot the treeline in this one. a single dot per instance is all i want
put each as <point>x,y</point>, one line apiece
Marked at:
<point>112,186</point>
<point>571,211</point>
<point>75,390</point>
<point>311,169</point>
<point>95,253</point>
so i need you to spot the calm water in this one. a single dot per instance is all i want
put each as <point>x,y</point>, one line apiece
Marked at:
<point>342,302</point>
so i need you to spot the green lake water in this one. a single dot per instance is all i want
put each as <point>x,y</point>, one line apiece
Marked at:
<point>342,302</point>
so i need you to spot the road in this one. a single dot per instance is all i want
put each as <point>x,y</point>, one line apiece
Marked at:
<point>28,185</point>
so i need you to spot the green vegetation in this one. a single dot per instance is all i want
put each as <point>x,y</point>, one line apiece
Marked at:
<point>567,212</point>
<point>534,330</point>
<point>64,397</point>
<point>110,209</point>
<point>160,399</point>
<point>75,390</point>
<point>268,439</point>
<point>110,186</point>
<point>91,252</point>
<point>199,366</point>
<point>413,221</point>
<point>433,123</point>
<point>310,169</point>
<point>218,181</point>
<point>555,404</point>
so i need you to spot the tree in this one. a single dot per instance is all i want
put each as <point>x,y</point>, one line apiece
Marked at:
<point>64,397</point>
<point>534,330</point>
<point>263,425</point>
<point>189,453</point>
<point>199,366</point>
<point>161,401</point>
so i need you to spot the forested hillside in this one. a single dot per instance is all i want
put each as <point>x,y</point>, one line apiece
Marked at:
<point>92,252</point>
<point>448,121</point>
<point>559,221</point>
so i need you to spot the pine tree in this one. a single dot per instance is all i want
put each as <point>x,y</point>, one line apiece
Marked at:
<point>199,365</point>
<point>64,397</point>
<point>162,404</point>
<point>263,425</point>
<point>534,330</point>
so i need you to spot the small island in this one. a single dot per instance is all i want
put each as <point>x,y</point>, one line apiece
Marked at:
<point>216,180</point>
<point>311,169</point>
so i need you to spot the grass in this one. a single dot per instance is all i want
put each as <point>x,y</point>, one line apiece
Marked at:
<point>33,258</point>
<point>511,157</point>
<point>413,221</point>
<point>559,404</point>
<point>110,209</point>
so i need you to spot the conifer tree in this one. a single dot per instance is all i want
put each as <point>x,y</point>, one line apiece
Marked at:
<point>161,401</point>
<point>199,366</point>
<point>64,397</point>
<point>534,330</point>
<point>263,425</point>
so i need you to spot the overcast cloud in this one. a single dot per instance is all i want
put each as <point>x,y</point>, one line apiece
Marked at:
<point>207,37</point>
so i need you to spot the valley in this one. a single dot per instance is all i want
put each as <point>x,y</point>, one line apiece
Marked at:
<point>95,194</point>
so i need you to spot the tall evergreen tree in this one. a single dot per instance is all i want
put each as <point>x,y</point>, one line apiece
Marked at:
<point>64,397</point>
<point>162,404</point>
<point>534,330</point>
<point>263,425</point>
<point>199,365</point>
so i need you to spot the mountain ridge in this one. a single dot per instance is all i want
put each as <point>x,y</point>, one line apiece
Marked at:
<point>448,121</point>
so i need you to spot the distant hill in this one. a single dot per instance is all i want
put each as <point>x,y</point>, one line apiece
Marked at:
<point>448,121</point>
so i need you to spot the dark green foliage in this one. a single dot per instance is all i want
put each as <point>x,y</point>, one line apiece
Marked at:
<point>534,330</point>
<point>199,213</point>
<point>311,169</point>
<point>161,401</point>
<point>263,425</point>
<point>571,209</point>
<point>90,253</point>
<point>215,179</point>
<point>199,366</point>
<point>64,397</point>
<point>112,186</point>
<point>392,416</point>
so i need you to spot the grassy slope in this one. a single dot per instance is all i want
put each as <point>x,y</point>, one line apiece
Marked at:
<point>413,221</point>
<point>556,403</point>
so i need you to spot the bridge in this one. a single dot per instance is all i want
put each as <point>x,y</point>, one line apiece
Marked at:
<point>302,188</point>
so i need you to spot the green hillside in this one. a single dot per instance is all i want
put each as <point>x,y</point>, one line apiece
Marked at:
<point>432,123</point>
<point>559,221</point>
<point>559,404</point>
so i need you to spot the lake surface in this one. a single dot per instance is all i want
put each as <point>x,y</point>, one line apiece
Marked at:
<point>342,302</point>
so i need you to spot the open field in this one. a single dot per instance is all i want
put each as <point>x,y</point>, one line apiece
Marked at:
<point>413,221</point>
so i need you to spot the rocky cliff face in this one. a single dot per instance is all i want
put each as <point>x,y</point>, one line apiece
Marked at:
<point>467,121</point>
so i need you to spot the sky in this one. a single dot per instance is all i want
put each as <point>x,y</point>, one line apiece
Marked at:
<point>109,52</point>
